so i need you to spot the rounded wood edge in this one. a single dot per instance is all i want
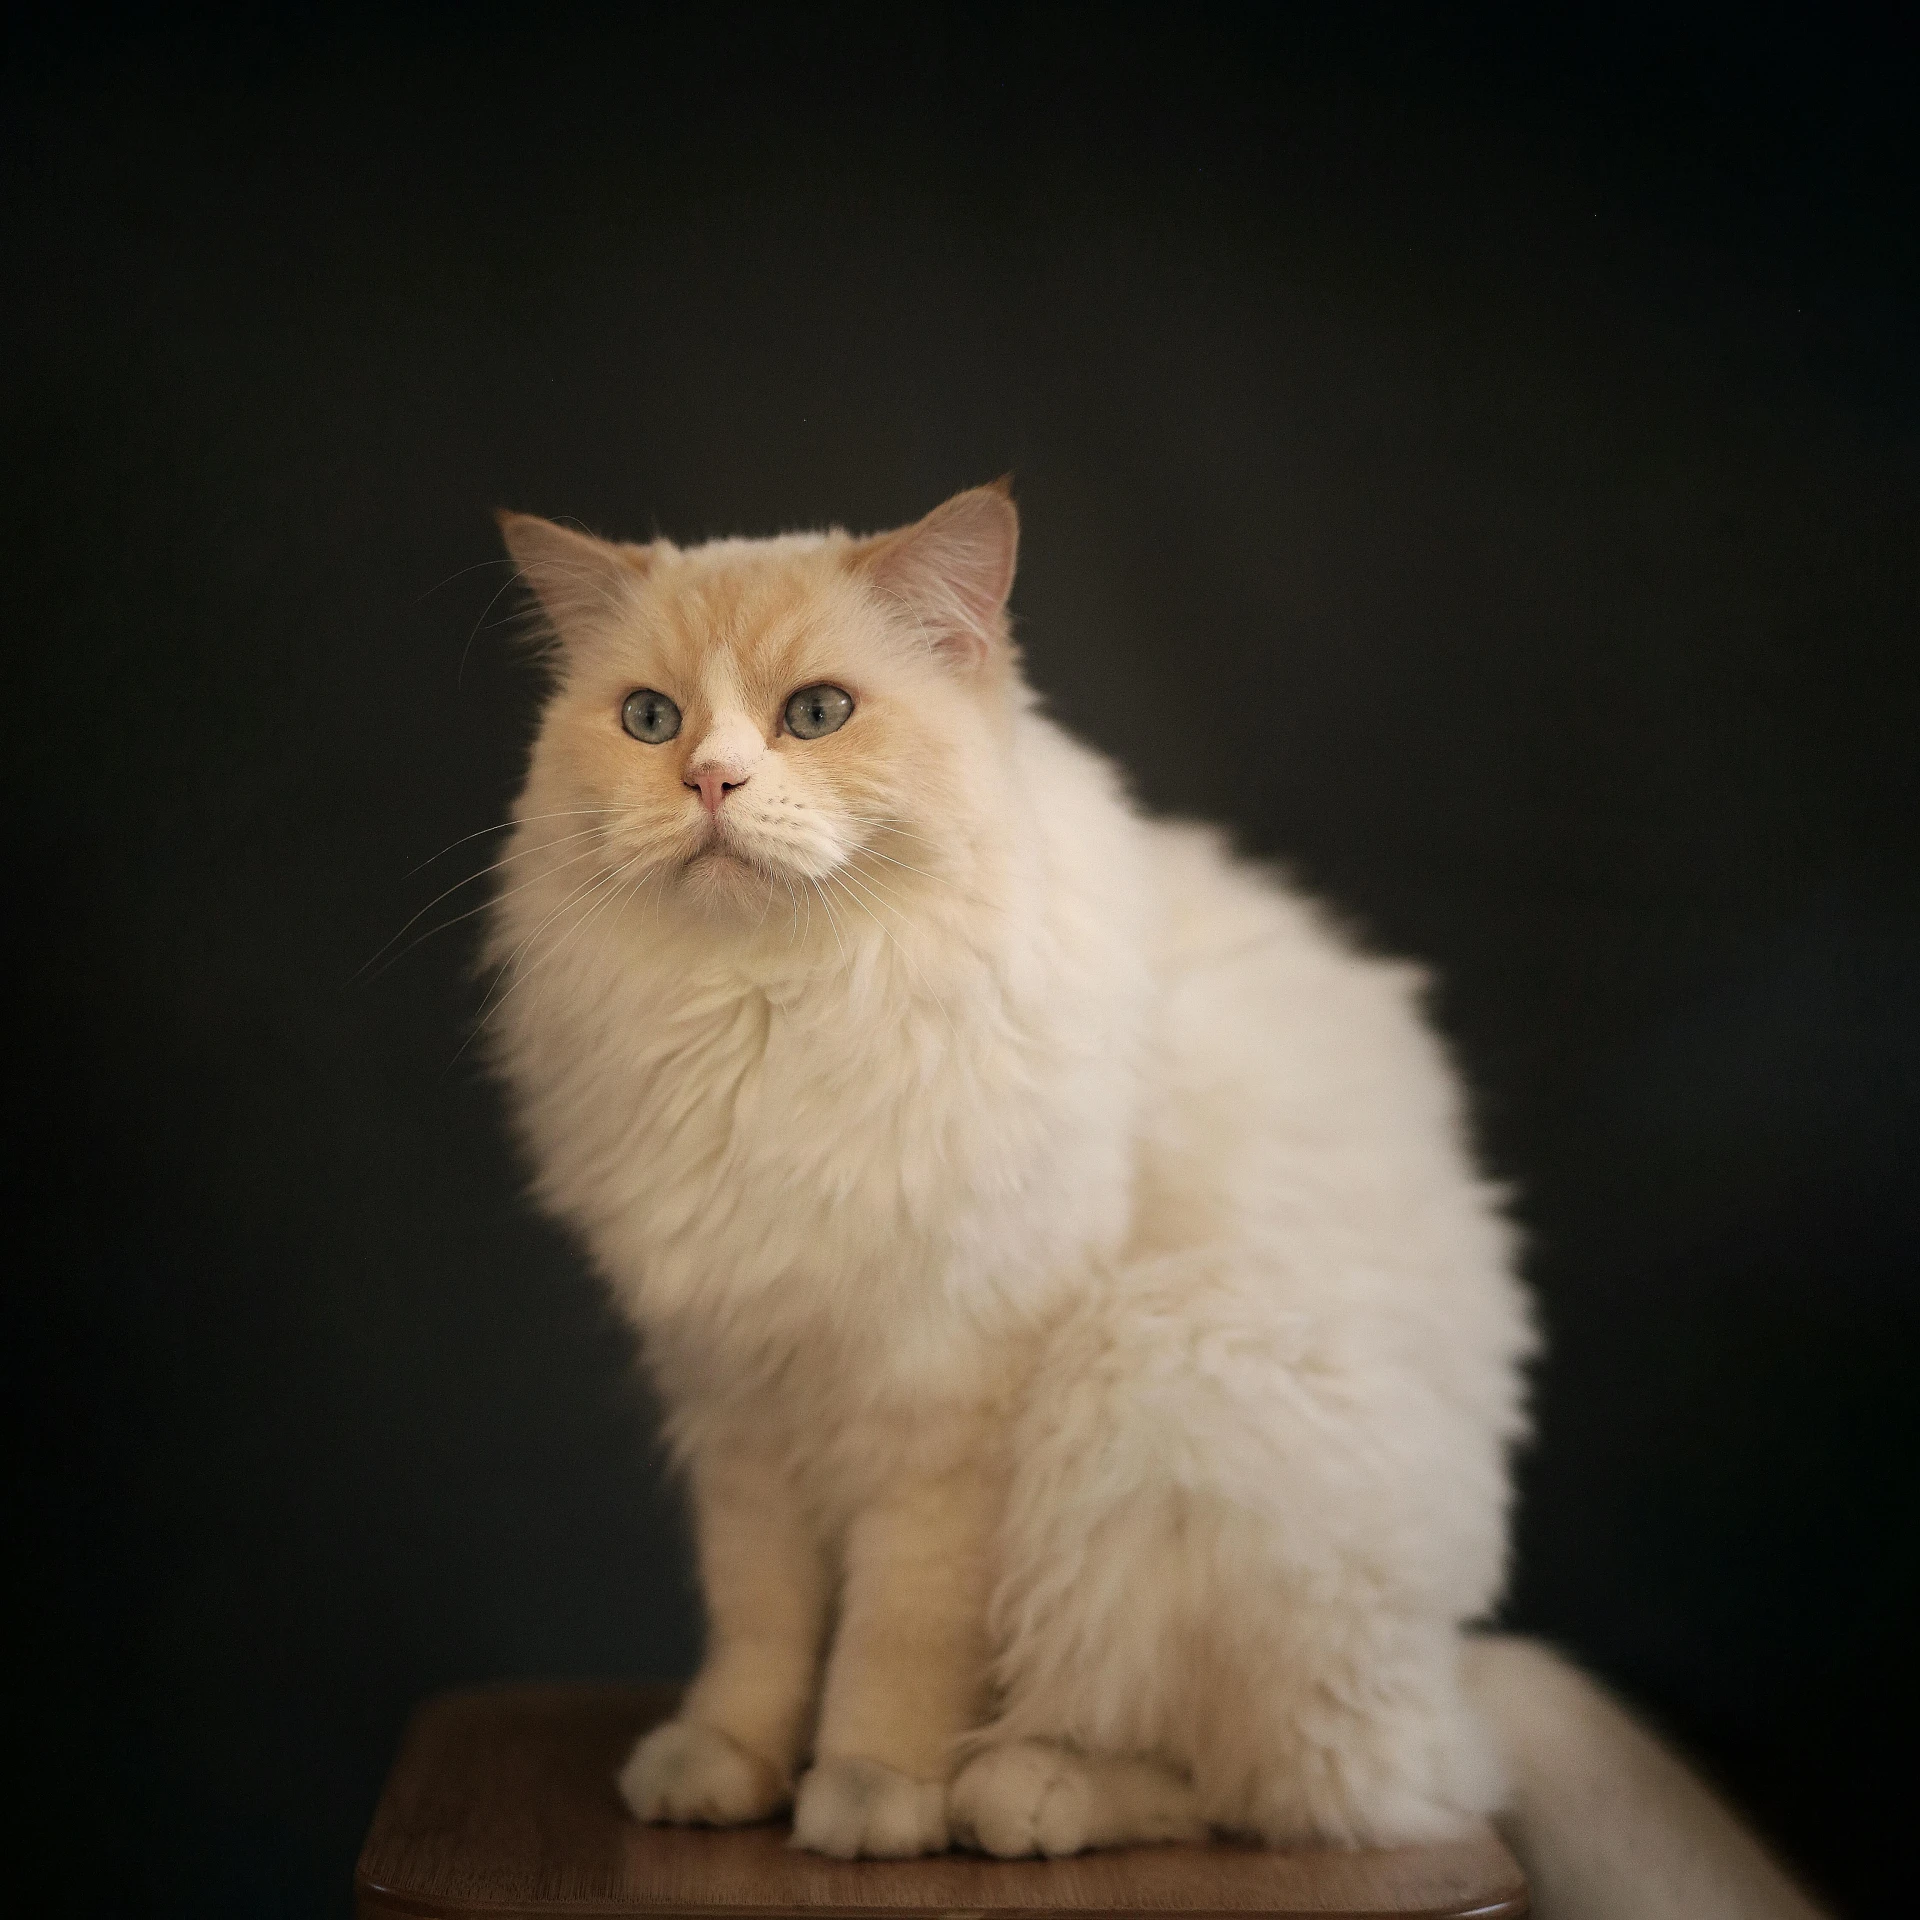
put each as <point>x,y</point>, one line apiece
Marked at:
<point>374,1902</point>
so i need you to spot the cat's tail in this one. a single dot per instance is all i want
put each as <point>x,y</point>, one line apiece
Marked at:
<point>1608,1823</point>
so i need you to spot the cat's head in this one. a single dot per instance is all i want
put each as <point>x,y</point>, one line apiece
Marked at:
<point>734,722</point>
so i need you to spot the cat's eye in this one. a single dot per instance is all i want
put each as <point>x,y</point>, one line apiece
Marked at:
<point>815,711</point>
<point>650,716</point>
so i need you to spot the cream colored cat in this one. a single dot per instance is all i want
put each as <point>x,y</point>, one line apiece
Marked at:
<point>1091,1350</point>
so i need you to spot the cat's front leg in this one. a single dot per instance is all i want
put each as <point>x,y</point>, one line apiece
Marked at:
<point>729,1755</point>
<point>907,1671</point>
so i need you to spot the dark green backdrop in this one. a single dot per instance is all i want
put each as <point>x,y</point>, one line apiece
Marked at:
<point>1499,444</point>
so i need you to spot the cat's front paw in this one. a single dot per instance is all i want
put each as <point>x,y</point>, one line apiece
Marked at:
<point>690,1775</point>
<point>1021,1799</point>
<point>1031,1796</point>
<point>859,1809</point>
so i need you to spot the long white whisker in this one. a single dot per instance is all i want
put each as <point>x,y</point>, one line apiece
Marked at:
<point>460,573</point>
<point>582,921</point>
<point>843,878</point>
<point>523,973</point>
<point>503,826</point>
<point>875,886</point>
<point>573,860</point>
<point>512,960</point>
<point>887,824</point>
<point>613,919</point>
<point>766,905</point>
<point>906,865</point>
<point>473,632</point>
<point>608,599</point>
<point>525,853</point>
<point>826,907</point>
<point>969,894</point>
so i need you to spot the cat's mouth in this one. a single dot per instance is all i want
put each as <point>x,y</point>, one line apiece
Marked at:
<point>736,857</point>
<point>720,857</point>
<point>716,841</point>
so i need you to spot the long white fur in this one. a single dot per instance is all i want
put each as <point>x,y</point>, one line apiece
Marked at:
<point>1013,1115</point>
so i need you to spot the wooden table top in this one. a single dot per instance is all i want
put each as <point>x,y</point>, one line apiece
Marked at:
<point>501,1803</point>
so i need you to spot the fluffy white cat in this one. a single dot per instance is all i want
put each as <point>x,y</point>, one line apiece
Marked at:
<point>1092,1353</point>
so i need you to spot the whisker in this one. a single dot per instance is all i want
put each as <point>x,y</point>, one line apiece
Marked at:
<point>448,892</point>
<point>503,826</point>
<point>972,895</point>
<point>610,895</point>
<point>473,632</point>
<point>905,865</point>
<point>613,920</point>
<point>537,613</point>
<point>874,884</point>
<point>460,573</point>
<point>826,906</point>
<point>842,878</point>
<point>887,824</point>
<point>490,1007</point>
<point>508,965</point>
<point>766,905</point>
<point>492,900</point>
<point>877,885</point>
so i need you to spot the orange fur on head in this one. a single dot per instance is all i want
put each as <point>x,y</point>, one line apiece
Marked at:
<point>911,624</point>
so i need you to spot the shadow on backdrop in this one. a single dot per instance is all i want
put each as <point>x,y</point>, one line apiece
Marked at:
<point>1498,442</point>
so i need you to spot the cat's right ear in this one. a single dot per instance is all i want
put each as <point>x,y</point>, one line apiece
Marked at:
<point>950,573</point>
<point>579,582</point>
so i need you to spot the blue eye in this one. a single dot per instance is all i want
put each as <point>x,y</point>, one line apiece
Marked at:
<point>650,716</point>
<point>815,711</point>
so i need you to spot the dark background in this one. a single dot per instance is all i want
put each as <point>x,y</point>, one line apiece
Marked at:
<point>1477,458</point>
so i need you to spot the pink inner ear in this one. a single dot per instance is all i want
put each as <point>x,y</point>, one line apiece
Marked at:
<point>952,572</point>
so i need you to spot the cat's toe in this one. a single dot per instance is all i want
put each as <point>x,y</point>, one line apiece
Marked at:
<point>689,1775</point>
<point>1023,1798</point>
<point>859,1809</point>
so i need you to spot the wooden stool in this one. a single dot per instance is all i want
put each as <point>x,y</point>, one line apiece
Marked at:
<point>502,1804</point>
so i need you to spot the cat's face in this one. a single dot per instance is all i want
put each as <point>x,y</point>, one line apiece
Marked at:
<point>738,723</point>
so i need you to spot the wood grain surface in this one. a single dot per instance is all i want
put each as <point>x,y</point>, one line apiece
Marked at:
<point>501,1803</point>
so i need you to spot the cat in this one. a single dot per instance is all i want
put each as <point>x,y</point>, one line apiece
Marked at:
<point>1093,1354</point>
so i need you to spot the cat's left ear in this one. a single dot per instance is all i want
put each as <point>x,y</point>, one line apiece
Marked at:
<point>950,573</point>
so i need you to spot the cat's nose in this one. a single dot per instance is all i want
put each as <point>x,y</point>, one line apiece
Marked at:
<point>712,785</point>
<point>723,759</point>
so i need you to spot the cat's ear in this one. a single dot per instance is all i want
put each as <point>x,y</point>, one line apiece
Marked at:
<point>950,573</point>
<point>579,581</point>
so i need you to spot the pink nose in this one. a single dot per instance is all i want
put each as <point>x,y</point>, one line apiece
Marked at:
<point>712,785</point>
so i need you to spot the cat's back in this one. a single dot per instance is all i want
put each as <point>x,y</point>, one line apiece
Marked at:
<point>1294,1073</point>
<point>1246,959</point>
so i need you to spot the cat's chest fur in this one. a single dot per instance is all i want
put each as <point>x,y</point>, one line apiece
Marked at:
<point>872,1164</point>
